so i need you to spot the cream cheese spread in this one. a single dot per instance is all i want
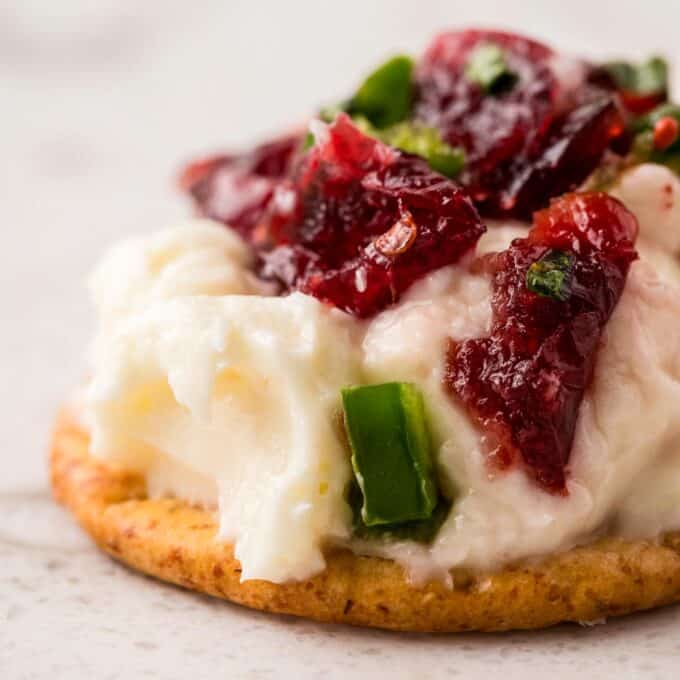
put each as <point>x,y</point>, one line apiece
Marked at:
<point>228,397</point>
<point>241,393</point>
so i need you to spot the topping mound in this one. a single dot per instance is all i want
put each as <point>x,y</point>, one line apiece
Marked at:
<point>361,221</point>
<point>496,99</point>
<point>553,293</point>
<point>385,195</point>
<point>527,137</point>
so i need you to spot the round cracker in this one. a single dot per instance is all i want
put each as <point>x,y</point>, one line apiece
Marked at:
<point>173,541</point>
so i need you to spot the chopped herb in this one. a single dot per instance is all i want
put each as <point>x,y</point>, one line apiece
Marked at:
<point>426,142</point>
<point>488,68</point>
<point>385,97</point>
<point>550,276</point>
<point>422,531</point>
<point>308,141</point>
<point>391,455</point>
<point>646,78</point>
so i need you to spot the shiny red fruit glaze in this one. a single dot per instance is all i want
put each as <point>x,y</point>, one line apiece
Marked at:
<point>493,129</point>
<point>361,222</point>
<point>570,152</point>
<point>236,189</point>
<point>522,144</point>
<point>639,104</point>
<point>524,382</point>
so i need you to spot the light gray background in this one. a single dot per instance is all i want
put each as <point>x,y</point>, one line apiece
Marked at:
<point>100,102</point>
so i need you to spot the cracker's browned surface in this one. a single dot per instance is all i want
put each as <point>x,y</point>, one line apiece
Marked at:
<point>176,542</point>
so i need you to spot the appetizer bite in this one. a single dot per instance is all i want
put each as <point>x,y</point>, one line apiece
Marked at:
<point>415,365</point>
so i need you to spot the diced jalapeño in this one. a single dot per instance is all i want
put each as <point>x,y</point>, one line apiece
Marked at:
<point>427,143</point>
<point>418,530</point>
<point>391,452</point>
<point>385,97</point>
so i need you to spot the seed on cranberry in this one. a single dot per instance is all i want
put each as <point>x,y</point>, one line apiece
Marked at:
<point>399,238</point>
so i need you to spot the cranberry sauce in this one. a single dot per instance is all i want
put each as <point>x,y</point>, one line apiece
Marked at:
<point>524,382</point>
<point>570,152</point>
<point>236,189</point>
<point>360,222</point>
<point>520,142</point>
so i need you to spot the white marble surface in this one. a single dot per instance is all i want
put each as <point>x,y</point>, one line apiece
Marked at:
<point>99,103</point>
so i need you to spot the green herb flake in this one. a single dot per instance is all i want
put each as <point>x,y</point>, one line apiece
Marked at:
<point>308,141</point>
<point>426,142</point>
<point>391,452</point>
<point>386,96</point>
<point>488,68</point>
<point>550,276</point>
<point>649,77</point>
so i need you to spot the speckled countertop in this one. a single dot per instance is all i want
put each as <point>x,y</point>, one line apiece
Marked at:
<point>100,102</point>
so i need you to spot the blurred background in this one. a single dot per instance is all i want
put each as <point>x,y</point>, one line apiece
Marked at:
<point>102,101</point>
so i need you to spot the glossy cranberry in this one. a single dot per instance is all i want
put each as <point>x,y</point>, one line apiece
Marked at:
<point>525,381</point>
<point>361,222</point>
<point>571,151</point>
<point>236,189</point>
<point>521,143</point>
<point>493,129</point>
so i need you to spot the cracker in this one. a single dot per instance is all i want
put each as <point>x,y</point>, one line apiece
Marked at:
<point>174,541</point>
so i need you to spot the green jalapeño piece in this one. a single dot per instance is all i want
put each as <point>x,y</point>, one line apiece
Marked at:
<point>550,276</point>
<point>427,143</point>
<point>418,530</point>
<point>391,452</point>
<point>488,67</point>
<point>385,97</point>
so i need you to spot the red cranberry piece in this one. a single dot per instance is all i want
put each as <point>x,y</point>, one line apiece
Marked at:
<point>572,150</point>
<point>236,189</point>
<point>524,145</point>
<point>362,221</point>
<point>639,104</point>
<point>493,129</point>
<point>525,381</point>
